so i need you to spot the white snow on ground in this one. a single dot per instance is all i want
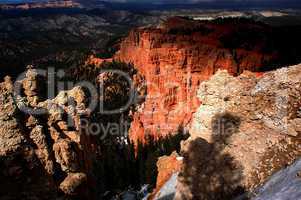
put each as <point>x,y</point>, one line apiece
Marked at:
<point>284,185</point>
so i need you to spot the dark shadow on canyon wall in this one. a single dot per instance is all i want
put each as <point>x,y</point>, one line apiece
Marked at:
<point>123,167</point>
<point>148,154</point>
<point>209,173</point>
<point>23,177</point>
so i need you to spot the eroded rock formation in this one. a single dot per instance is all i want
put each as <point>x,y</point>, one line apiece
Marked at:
<point>178,55</point>
<point>246,129</point>
<point>43,156</point>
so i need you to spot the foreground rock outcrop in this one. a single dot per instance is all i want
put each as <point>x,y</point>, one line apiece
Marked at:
<point>284,185</point>
<point>246,129</point>
<point>43,156</point>
<point>181,53</point>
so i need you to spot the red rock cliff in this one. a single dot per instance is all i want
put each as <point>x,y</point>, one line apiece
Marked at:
<point>181,53</point>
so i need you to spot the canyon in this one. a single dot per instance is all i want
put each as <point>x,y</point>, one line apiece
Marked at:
<point>178,55</point>
<point>215,109</point>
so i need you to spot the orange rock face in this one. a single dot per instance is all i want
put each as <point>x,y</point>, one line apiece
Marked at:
<point>167,166</point>
<point>176,57</point>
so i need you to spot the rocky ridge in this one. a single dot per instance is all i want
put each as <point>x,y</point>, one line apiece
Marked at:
<point>39,5</point>
<point>246,129</point>
<point>43,156</point>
